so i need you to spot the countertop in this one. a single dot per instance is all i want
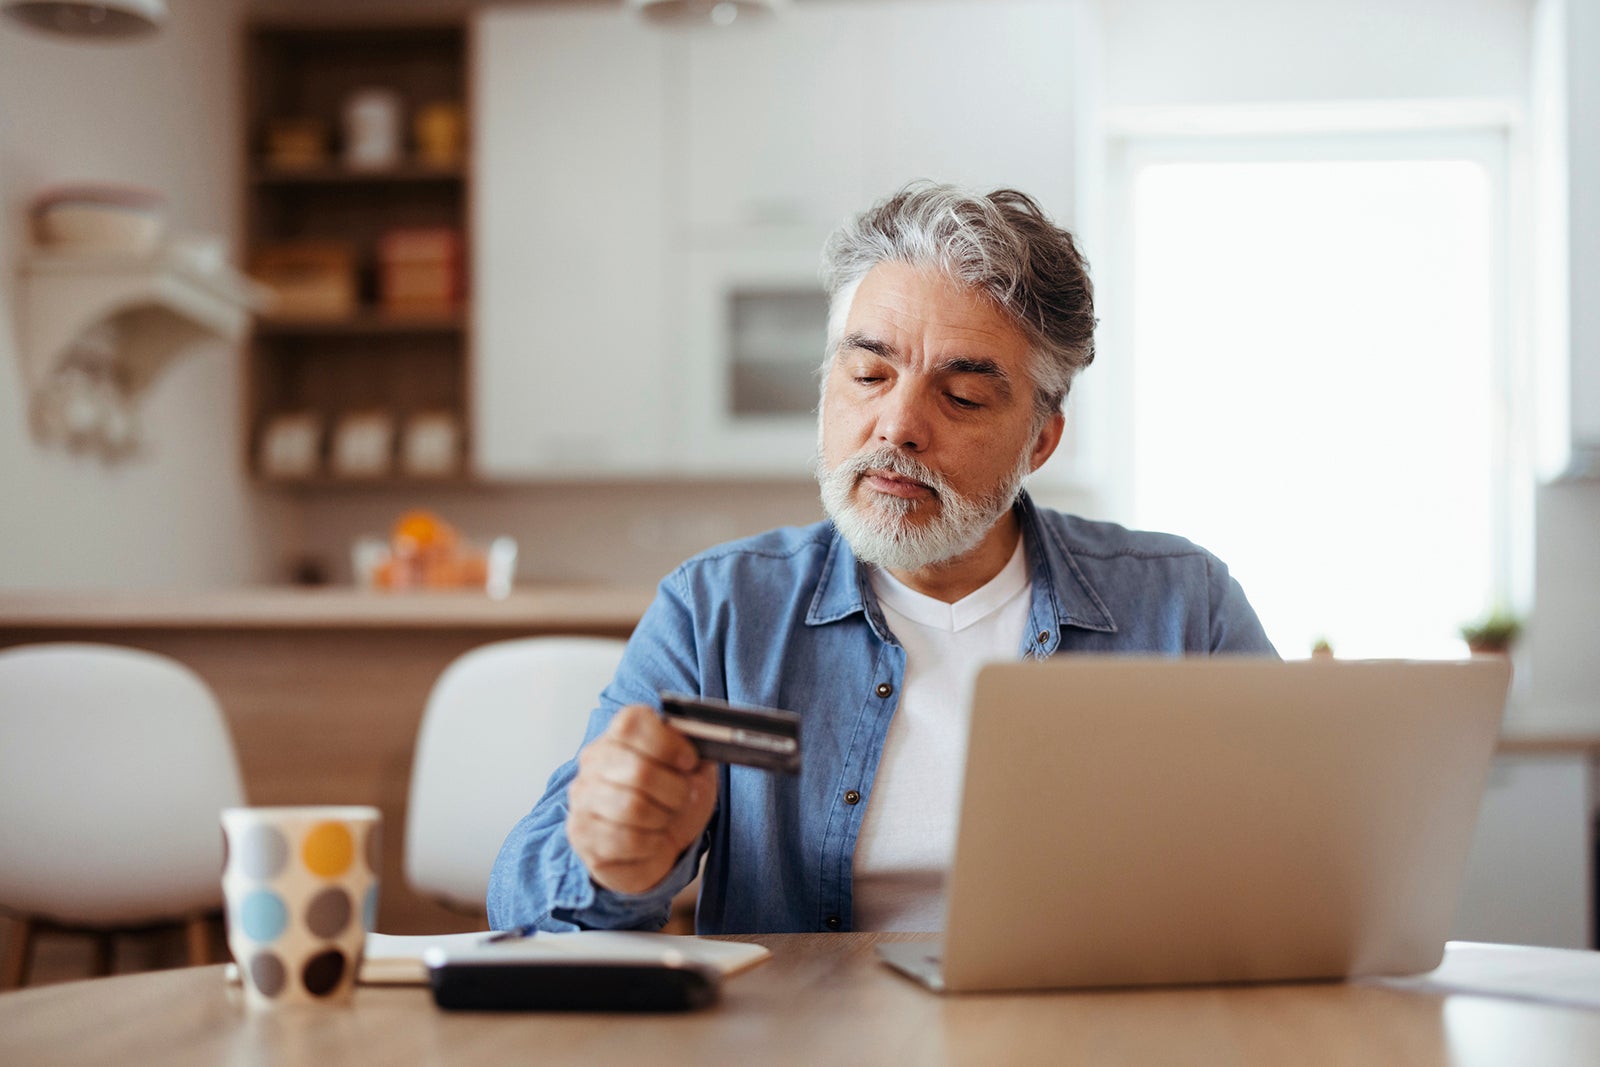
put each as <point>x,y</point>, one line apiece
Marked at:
<point>275,607</point>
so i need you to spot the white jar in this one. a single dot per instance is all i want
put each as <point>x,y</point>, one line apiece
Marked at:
<point>372,128</point>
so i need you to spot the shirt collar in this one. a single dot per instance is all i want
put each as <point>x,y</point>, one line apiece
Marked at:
<point>843,590</point>
<point>1062,595</point>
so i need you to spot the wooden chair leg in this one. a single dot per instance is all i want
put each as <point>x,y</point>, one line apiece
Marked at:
<point>197,933</point>
<point>102,955</point>
<point>19,954</point>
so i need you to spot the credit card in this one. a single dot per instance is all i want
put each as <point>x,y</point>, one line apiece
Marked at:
<point>728,733</point>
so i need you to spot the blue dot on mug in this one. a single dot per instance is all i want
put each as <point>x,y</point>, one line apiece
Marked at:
<point>263,915</point>
<point>369,908</point>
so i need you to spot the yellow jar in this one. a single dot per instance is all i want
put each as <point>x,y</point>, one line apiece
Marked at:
<point>439,134</point>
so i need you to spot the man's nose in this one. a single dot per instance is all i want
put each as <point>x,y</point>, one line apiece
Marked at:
<point>903,419</point>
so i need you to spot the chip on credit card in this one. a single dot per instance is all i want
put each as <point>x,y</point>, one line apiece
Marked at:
<point>728,733</point>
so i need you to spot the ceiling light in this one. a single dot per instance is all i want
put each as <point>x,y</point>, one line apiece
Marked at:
<point>108,19</point>
<point>715,12</point>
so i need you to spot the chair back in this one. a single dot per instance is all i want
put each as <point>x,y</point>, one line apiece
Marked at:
<point>114,766</point>
<point>498,723</point>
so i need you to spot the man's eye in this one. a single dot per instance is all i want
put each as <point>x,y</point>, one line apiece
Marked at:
<point>963,403</point>
<point>863,379</point>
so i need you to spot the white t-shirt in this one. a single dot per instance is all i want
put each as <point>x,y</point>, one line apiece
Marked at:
<point>909,832</point>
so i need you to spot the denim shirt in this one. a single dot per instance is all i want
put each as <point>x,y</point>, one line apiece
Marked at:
<point>787,619</point>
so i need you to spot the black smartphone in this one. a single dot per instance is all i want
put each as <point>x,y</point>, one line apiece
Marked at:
<point>571,985</point>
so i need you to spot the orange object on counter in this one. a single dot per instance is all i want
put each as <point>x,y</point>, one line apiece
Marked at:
<point>426,552</point>
<point>423,530</point>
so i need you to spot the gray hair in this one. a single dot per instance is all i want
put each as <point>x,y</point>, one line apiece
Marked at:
<point>1001,244</point>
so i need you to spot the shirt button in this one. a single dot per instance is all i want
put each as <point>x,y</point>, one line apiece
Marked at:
<point>832,922</point>
<point>884,689</point>
<point>852,797</point>
<point>1044,635</point>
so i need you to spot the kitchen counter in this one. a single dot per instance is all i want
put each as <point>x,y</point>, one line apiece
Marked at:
<point>567,609</point>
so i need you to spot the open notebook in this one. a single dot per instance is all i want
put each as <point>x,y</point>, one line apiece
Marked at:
<point>393,959</point>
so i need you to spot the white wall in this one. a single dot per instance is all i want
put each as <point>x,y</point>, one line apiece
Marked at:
<point>161,112</point>
<point>1582,70</point>
<point>1564,632</point>
<point>631,533</point>
<point>1171,52</point>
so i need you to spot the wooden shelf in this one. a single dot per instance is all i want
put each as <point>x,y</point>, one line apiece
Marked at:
<point>366,322</point>
<point>324,482</point>
<point>334,174</point>
<point>371,360</point>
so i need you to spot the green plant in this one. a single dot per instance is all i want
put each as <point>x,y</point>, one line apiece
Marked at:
<point>1495,632</point>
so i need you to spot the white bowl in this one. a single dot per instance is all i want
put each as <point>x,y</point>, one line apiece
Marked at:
<point>71,225</point>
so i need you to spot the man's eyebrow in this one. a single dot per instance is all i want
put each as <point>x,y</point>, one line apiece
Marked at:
<point>986,368</point>
<point>882,349</point>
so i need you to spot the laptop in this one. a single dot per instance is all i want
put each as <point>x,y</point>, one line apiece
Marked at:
<point>1134,822</point>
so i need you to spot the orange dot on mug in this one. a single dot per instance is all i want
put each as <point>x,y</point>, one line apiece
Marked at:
<point>328,849</point>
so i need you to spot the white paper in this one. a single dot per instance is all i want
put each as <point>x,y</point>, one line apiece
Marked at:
<point>1558,976</point>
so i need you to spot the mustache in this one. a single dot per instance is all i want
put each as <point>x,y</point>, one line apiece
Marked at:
<point>893,460</point>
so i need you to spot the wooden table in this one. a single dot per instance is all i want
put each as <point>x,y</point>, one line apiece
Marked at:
<point>821,999</point>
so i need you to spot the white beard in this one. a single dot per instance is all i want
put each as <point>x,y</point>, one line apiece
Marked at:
<point>881,532</point>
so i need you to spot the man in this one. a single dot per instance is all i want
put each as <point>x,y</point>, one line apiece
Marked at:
<point>956,325</point>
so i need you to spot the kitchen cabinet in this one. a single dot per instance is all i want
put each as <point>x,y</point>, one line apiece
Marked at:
<point>570,217</point>
<point>1583,191</point>
<point>1564,145</point>
<point>1529,879</point>
<point>773,119</point>
<point>354,337</point>
<point>648,255</point>
<point>801,120</point>
<point>838,106</point>
<point>978,94</point>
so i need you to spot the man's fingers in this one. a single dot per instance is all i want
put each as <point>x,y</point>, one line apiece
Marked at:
<point>615,764</point>
<point>690,820</point>
<point>639,728</point>
<point>640,796</point>
<point>620,804</point>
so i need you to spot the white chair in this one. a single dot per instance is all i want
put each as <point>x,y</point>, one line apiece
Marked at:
<point>499,721</point>
<point>114,765</point>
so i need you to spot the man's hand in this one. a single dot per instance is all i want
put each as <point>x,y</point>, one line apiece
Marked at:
<point>641,797</point>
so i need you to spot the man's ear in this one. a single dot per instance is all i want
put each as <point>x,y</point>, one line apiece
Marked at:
<point>1044,445</point>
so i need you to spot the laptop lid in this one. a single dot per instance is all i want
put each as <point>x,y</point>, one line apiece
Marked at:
<point>1129,821</point>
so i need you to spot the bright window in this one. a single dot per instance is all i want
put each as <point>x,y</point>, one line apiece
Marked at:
<point>1319,381</point>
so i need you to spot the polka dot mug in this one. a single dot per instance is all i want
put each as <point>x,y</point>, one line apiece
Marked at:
<point>301,885</point>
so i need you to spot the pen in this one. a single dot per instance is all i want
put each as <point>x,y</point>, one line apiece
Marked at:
<point>516,933</point>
